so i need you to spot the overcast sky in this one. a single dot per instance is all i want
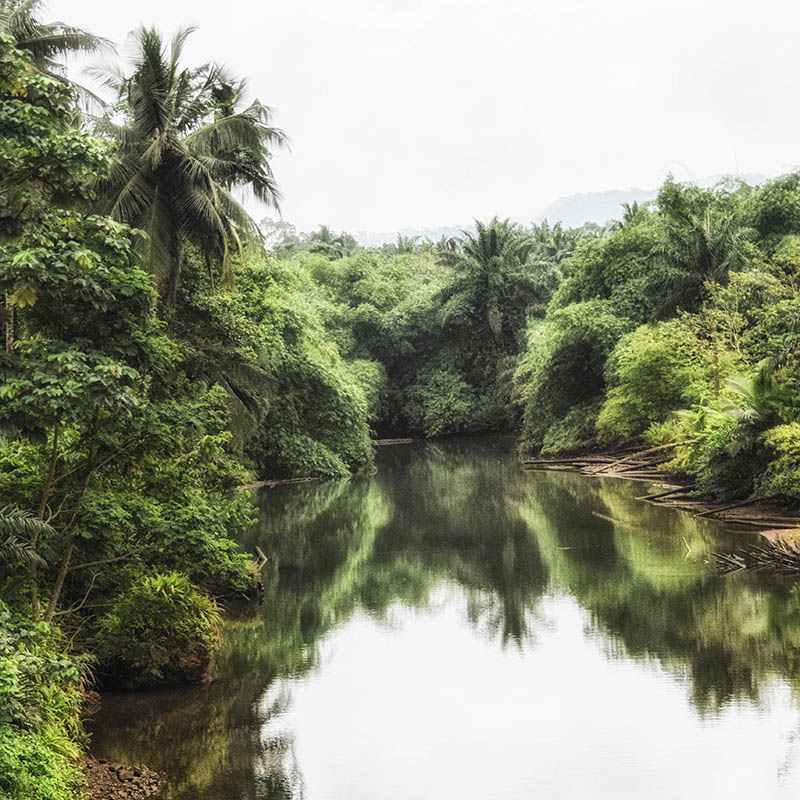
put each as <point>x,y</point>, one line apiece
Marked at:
<point>432,112</point>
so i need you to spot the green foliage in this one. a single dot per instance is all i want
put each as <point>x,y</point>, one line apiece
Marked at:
<point>161,629</point>
<point>40,692</point>
<point>441,401</point>
<point>564,365</point>
<point>46,42</point>
<point>17,528</point>
<point>41,160</point>
<point>703,241</point>
<point>575,431</point>
<point>782,474</point>
<point>314,421</point>
<point>775,208</point>
<point>653,371</point>
<point>613,268</point>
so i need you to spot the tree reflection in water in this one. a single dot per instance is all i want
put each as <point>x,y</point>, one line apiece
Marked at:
<point>458,514</point>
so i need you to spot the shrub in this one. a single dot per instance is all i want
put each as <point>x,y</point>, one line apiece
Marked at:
<point>729,459</point>
<point>576,431</point>
<point>563,366</point>
<point>652,372</point>
<point>440,401</point>
<point>160,631</point>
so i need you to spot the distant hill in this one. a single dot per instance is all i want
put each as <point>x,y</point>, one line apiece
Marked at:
<point>572,211</point>
<point>600,207</point>
<point>575,209</point>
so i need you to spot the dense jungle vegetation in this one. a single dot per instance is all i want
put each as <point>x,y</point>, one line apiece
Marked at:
<point>159,354</point>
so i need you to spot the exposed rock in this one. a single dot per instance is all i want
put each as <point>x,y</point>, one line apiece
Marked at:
<point>105,781</point>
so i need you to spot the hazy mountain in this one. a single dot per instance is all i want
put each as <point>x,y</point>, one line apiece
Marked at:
<point>572,211</point>
<point>575,209</point>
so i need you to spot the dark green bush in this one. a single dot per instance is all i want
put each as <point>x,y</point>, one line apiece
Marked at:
<point>160,630</point>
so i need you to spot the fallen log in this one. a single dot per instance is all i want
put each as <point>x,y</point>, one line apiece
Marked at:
<point>764,524</point>
<point>731,506</point>
<point>667,493</point>
<point>284,481</point>
<point>659,449</point>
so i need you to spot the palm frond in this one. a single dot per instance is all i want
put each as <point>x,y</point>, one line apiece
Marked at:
<point>17,529</point>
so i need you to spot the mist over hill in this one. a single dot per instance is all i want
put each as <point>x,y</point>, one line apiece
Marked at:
<point>373,239</point>
<point>601,207</point>
<point>572,211</point>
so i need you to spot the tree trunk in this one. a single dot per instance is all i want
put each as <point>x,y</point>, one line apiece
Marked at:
<point>48,486</point>
<point>176,255</point>
<point>9,325</point>
<point>63,568</point>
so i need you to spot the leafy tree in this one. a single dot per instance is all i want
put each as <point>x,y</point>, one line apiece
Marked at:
<point>561,377</point>
<point>47,42</point>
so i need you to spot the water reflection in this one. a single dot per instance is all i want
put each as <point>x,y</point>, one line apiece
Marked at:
<point>455,627</point>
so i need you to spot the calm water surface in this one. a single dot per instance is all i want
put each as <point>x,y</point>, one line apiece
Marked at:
<point>456,628</point>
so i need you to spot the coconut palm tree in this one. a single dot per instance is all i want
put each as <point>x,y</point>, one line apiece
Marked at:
<point>331,244</point>
<point>185,145</point>
<point>47,42</point>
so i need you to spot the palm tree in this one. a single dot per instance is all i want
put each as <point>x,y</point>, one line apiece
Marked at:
<point>493,281</point>
<point>47,42</point>
<point>554,242</point>
<point>757,398</point>
<point>331,244</point>
<point>185,144</point>
<point>406,244</point>
<point>19,531</point>
<point>704,241</point>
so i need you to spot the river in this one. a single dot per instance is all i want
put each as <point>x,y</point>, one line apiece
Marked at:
<point>454,628</point>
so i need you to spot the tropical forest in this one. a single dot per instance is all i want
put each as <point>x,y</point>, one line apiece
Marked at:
<point>231,451</point>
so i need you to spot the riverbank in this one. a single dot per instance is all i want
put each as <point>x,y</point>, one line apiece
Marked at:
<point>759,514</point>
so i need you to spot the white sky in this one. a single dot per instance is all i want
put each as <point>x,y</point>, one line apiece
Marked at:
<point>432,112</point>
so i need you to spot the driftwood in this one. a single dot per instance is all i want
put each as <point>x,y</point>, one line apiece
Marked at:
<point>643,465</point>
<point>262,559</point>
<point>385,442</point>
<point>667,493</point>
<point>283,482</point>
<point>639,454</point>
<point>749,502</point>
<point>764,523</point>
<point>780,557</point>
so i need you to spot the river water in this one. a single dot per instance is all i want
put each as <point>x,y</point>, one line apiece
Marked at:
<point>454,628</point>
